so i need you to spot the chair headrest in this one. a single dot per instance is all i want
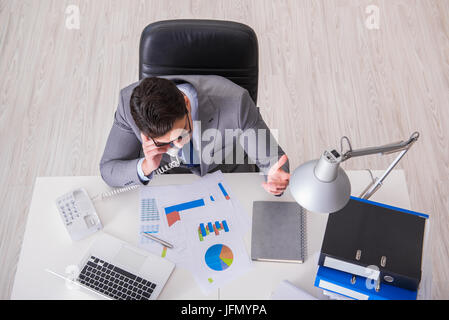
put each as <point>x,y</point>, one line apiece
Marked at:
<point>189,46</point>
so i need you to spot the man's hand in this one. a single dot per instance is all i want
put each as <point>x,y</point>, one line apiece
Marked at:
<point>278,179</point>
<point>153,154</point>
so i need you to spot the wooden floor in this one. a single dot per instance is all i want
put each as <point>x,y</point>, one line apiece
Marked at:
<point>323,74</point>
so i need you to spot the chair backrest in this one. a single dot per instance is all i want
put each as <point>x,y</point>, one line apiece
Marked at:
<point>225,48</point>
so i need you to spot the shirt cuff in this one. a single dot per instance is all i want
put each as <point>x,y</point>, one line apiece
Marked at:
<point>140,173</point>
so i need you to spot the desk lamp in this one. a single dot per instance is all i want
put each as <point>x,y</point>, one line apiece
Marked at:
<point>322,186</point>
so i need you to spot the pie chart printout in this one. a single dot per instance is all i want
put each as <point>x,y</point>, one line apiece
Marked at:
<point>219,257</point>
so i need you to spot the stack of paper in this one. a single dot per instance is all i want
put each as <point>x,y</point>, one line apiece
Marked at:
<point>205,223</point>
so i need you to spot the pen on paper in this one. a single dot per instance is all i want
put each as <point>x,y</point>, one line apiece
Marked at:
<point>162,242</point>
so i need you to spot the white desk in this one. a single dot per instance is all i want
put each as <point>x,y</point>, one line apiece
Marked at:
<point>46,244</point>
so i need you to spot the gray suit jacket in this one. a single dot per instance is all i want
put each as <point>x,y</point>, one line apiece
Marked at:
<point>223,107</point>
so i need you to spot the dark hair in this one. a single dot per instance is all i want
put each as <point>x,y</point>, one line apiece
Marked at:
<point>156,103</point>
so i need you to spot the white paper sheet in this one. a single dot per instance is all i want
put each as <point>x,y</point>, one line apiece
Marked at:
<point>205,223</point>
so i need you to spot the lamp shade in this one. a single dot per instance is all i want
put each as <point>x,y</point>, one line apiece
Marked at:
<point>317,195</point>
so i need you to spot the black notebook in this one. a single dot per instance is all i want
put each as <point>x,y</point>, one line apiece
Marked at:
<point>366,233</point>
<point>278,232</point>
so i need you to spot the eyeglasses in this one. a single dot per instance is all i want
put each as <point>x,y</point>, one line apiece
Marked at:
<point>178,139</point>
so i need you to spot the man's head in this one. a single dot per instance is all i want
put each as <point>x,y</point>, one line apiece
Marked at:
<point>159,109</point>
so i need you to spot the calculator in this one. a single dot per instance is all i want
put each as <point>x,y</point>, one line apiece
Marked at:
<point>78,214</point>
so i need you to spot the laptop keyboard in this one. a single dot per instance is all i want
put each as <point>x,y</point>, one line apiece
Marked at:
<point>114,282</point>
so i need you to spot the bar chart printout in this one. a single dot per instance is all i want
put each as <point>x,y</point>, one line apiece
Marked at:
<point>204,229</point>
<point>197,218</point>
<point>223,190</point>
<point>172,213</point>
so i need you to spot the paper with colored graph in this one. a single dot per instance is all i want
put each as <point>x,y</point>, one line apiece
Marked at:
<point>204,222</point>
<point>217,250</point>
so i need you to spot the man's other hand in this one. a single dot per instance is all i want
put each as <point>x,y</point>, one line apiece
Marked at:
<point>277,179</point>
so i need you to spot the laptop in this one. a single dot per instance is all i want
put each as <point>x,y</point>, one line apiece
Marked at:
<point>114,269</point>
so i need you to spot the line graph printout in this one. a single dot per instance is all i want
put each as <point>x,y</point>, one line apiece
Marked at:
<point>192,217</point>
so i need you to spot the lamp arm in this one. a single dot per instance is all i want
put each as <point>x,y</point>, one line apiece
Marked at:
<point>377,183</point>
<point>385,149</point>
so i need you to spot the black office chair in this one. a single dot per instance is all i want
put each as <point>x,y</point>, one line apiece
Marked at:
<point>225,48</point>
<point>201,47</point>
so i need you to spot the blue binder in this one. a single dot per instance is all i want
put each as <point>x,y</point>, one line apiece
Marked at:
<point>363,288</point>
<point>366,233</point>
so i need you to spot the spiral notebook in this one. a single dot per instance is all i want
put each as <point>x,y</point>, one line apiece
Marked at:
<point>278,232</point>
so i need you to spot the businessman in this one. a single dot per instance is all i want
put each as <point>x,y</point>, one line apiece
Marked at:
<point>194,114</point>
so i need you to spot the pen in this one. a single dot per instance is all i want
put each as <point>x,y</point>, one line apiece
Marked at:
<point>162,242</point>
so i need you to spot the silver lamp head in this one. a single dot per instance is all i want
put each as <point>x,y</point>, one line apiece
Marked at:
<point>321,185</point>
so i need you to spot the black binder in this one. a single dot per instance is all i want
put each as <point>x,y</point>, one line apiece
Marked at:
<point>366,233</point>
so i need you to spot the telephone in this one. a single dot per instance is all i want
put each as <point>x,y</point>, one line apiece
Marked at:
<point>78,212</point>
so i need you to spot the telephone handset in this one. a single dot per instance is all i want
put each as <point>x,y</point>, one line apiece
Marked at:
<point>173,152</point>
